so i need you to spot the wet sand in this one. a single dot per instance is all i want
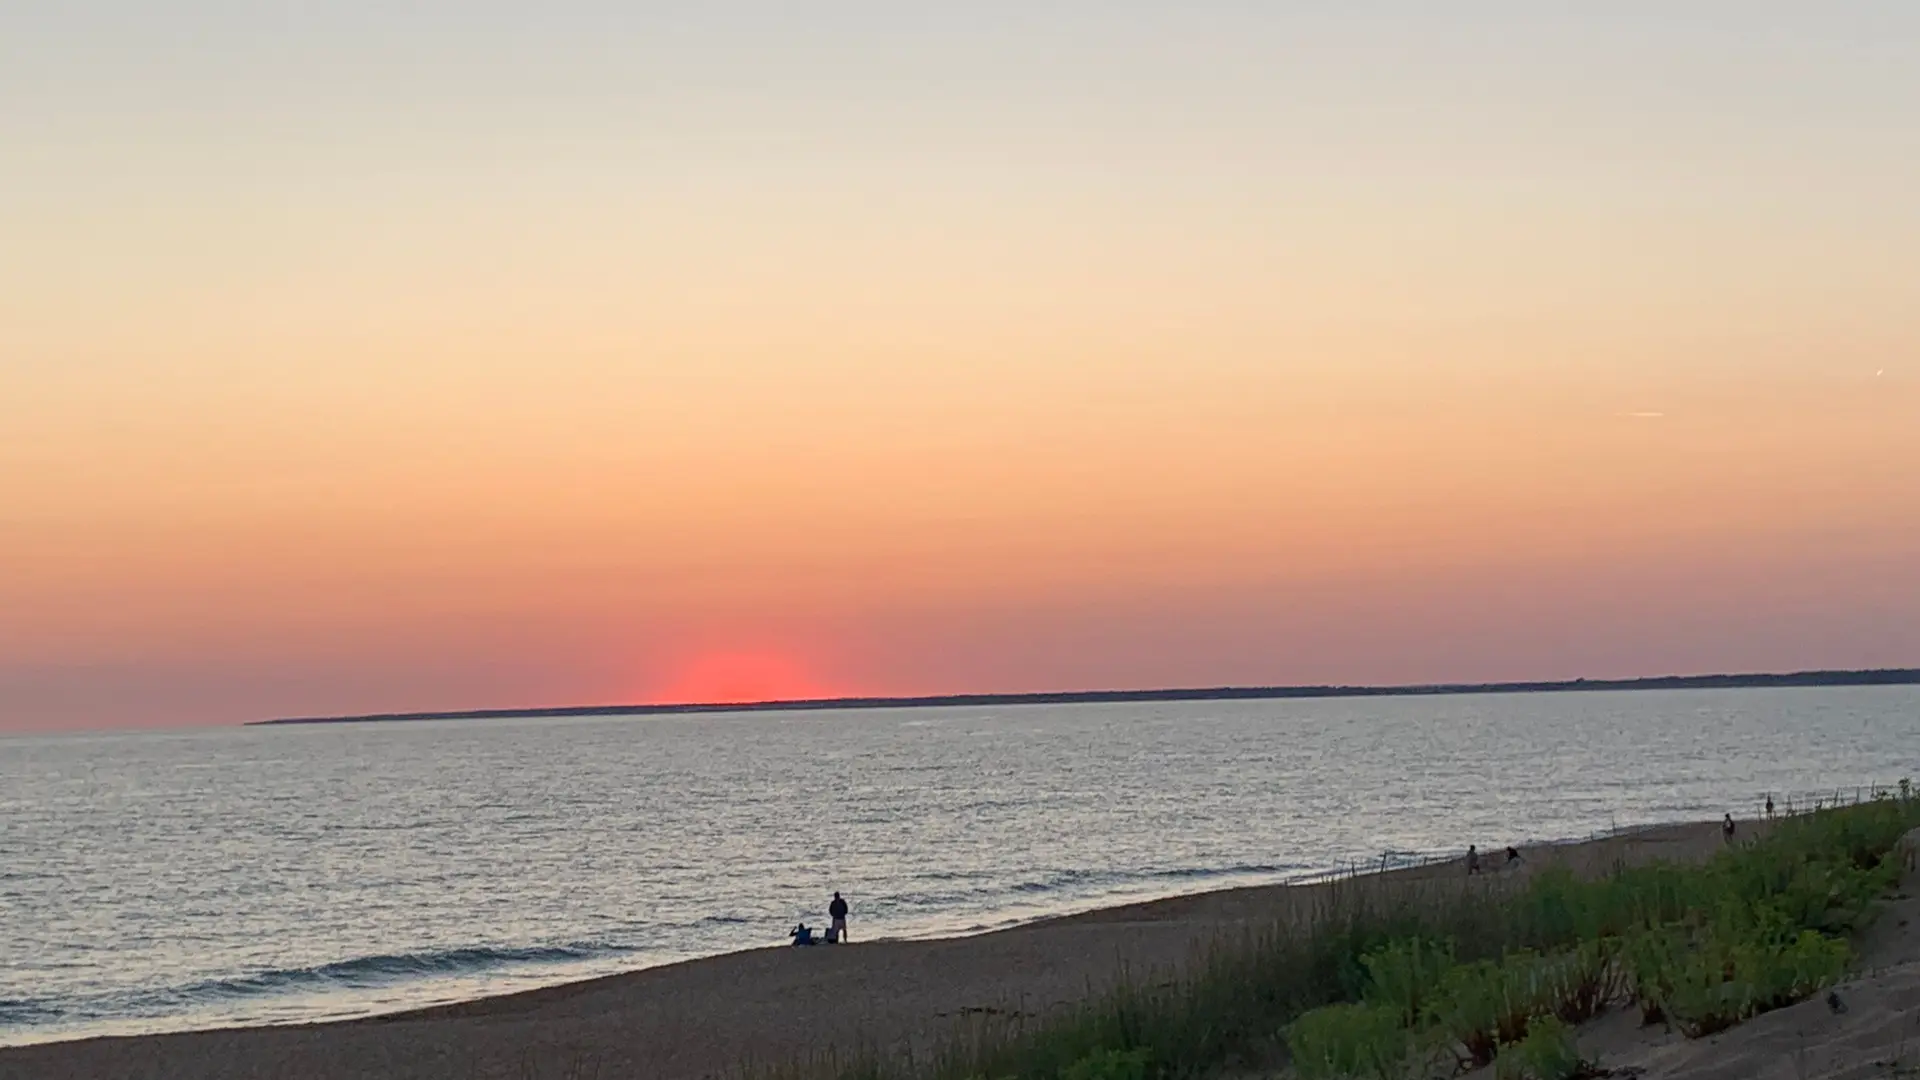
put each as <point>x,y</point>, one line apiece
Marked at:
<point>710,1017</point>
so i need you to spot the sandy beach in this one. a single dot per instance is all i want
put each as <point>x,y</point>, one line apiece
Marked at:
<point>710,1017</point>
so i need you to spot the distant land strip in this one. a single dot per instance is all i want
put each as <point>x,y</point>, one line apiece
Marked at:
<point>1879,677</point>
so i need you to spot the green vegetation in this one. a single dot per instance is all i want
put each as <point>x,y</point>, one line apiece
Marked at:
<point>1547,1053</point>
<point>1495,974</point>
<point>1701,947</point>
<point>1349,1040</point>
<point>1111,1065</point>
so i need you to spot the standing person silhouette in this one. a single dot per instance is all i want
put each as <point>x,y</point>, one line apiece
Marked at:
<point>837,911</point>
<point>1769,806</point>
<point>1473,859</point>
<point>1726,828</point>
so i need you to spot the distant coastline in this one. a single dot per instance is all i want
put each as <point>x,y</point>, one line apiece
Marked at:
<point>1877,677</point>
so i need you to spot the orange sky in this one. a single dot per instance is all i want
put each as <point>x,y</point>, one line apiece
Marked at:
<point>1441,364</point>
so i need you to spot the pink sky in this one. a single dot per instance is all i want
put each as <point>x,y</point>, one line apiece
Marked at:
<point>570,363</point>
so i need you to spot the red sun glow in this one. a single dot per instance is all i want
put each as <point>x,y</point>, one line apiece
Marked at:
<point>741,677</point>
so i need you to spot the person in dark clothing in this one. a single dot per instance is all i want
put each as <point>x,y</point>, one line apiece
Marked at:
<point>1473,859</point>
<point>1513,855</point>
<point>1769,807</point>
<point>1726,828</point>
<point>837,911</point>
<point>802,935</point>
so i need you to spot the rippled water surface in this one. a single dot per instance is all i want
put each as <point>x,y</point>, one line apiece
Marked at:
<point>167,881</point>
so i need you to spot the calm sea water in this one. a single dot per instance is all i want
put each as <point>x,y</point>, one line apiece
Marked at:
<point>180,880</point>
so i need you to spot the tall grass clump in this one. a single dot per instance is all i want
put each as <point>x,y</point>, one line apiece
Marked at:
<point>1384,986</point>
<point>1403,976</point>
<point>1548,1052</point>
<point>1350,1040</point>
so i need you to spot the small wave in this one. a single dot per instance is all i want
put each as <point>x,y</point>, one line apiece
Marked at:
<point>1067,879</point>
<point>396,967</point>
<point>21,1011</point>
<point>1214,872</point>
<point>952,875</point>
<point>724,920</point>
<point>358,973</point>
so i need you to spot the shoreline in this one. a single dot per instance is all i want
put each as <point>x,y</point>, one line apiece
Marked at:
<point>710,1016</point>
<point>1205,884</point>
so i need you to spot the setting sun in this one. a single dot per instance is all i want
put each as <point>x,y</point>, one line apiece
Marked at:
<point>741,676</point>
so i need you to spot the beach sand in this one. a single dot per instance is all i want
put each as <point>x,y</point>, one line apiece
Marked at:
<point>708,1018</point>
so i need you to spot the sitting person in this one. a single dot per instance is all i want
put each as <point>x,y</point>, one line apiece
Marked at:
<point>801,935</point>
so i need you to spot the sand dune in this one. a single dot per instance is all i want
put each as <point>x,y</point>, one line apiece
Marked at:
<point>1875,1032</point>
<point>707,1017</point>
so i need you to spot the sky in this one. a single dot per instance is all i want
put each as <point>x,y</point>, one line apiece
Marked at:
<point>362,357</point>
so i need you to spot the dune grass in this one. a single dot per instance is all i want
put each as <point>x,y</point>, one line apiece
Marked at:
<point>1426,982</point>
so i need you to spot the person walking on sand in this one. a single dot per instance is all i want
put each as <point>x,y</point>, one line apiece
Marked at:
<point>1726,828</point>
<point>1769,806</point>
<point>1473,859</point>
<point>837,911</point>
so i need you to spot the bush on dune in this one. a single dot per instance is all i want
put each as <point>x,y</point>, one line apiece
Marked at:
<point>1724,983</point>
<point>1547,1053</point>
<point>1403,976</point>
<point>1350,1040</point>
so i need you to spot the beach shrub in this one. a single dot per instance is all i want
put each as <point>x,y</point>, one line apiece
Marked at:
<point>1110,1065</point>
<point>1834,894</point>
<point>1723,983</point>
<point>1404,976</point>
<point>1348,1041</point>
<point>1581,982</point>
<point>1548,1052</point>
<point>1561,909</point>
<point>1651,958</point>
<point>1483,1004</point>
<point>1657,894</point>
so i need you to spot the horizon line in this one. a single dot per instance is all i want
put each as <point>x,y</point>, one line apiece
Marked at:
<point>1862,677</point>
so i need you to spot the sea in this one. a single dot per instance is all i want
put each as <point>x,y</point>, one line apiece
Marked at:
<point>164,881</point>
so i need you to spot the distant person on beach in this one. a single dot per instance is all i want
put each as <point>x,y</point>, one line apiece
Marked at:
<point>1473,859</point>
<point>837,911</point>
<point>1513,856</point>
<point>1726,828</point>
<point>1769,807</point>
<point>802,935</point>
